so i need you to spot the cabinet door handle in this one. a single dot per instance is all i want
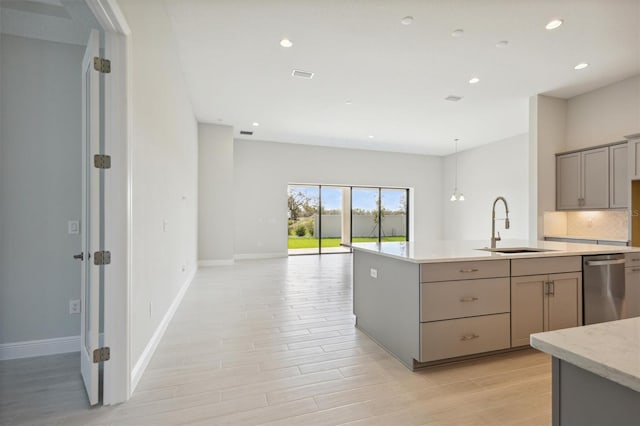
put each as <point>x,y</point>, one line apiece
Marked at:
<point>551,288</point>
<point>469,270</point>
<point>604,262</point>
<point>468,299</point>
<point>635,269</point>
<point>469,337</point>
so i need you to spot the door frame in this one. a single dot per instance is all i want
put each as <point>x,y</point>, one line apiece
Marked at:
<point>90,219</point>
<point>117,195</point>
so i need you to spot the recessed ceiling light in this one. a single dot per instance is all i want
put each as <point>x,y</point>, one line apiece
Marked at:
<point>474,80</point>
<point>370,136</point>
<point>347,103</point>
<point>407,20</point>
<point>502,43</point>
<point>581,66</point>
<point>457,33</point>
<point>553,24</point>
<point>285,42</point>
<point>302,74</point>
<point>255,124</point>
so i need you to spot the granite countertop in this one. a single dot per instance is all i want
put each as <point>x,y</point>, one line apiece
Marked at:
<point>454,251</point>
<point>610,349</point>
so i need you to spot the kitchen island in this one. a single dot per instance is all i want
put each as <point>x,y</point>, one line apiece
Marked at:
<point>596,373</point>
<point>433,302</point>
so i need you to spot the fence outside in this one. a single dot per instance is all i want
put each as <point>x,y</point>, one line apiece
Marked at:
<point>362,225</point>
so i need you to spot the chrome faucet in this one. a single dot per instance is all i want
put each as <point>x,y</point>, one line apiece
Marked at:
<point>493,221</point>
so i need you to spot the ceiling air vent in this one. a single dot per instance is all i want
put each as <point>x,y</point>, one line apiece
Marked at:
<point>453,98</point>
<point>246,132</point>
<point>302,74</point>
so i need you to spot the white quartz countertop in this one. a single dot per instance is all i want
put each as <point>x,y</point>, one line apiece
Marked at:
<point>455,251</point>
<point>610,349</point>
<point>573,237</point>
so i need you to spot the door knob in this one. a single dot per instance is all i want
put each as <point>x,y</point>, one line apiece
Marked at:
<point>79,256</point>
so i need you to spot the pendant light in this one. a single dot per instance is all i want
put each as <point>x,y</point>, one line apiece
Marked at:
<point>456,196</point>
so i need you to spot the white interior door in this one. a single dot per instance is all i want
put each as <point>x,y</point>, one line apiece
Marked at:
<point>90,229</point>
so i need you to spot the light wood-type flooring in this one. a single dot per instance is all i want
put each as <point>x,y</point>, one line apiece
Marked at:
<point>273,342</point>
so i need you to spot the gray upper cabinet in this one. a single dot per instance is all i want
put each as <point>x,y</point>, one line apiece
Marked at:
<point>568,194</point>
<point>582,180</point>
<point>618,176</point>
<point>634,156</point>
<point>594,178</point>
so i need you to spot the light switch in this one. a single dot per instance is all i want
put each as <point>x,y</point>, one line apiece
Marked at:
<point>73,227</point>
<point>374,273</point>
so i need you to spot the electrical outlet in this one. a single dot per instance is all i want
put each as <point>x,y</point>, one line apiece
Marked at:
<point>373,273</point>
<point>74,306</point>
<point>73,227</point>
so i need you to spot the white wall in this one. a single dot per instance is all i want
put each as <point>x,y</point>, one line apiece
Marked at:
<point>164,149</point>
<point>598,117</point>
<point>216,217</point>
<point>604,115</point>
<point>548,124</point>
<point>500,168</point>
<point>40,185</point>
<point>263,170</point>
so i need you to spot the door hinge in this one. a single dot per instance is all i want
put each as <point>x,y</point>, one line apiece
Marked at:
<point>102,258</point>
<point>101,354</point>
<point>102,65</point>
<point>102,161</point>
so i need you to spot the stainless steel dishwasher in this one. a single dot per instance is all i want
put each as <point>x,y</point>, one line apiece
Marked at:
<point>604,292</point>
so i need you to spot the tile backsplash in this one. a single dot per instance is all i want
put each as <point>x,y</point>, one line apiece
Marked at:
<point>597,224</point>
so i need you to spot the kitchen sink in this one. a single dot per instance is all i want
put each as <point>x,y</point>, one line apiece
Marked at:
<point>514,250</point>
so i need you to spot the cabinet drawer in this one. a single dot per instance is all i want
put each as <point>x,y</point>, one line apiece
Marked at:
<point>454,271</point>
<point>632,260</point>
<point>546,265</point>
<point>459,299</point>
<point>466,336</point>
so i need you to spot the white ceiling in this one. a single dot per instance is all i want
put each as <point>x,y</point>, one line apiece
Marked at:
<point>396,76</point>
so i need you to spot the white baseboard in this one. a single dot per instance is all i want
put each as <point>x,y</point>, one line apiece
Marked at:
<point>145,358</point>
<point>259,256</point>
<point>217,262</point>
<point>31,348</point>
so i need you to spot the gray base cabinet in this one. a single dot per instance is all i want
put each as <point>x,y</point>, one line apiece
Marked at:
<point>425,313</point>
<point>386,302</point>
<point>581,398</point>
<point>464,308</point>
<point>548,301</point>
<point>463,336</point>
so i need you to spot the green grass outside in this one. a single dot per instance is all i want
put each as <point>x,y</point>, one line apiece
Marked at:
<point>310,242</point>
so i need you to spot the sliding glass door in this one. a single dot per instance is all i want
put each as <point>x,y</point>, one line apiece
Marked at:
<point>303,224</point>
<point>332,220</point>
<point>393,214</point>
<point>365,203</point>
<point>328,218</point>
